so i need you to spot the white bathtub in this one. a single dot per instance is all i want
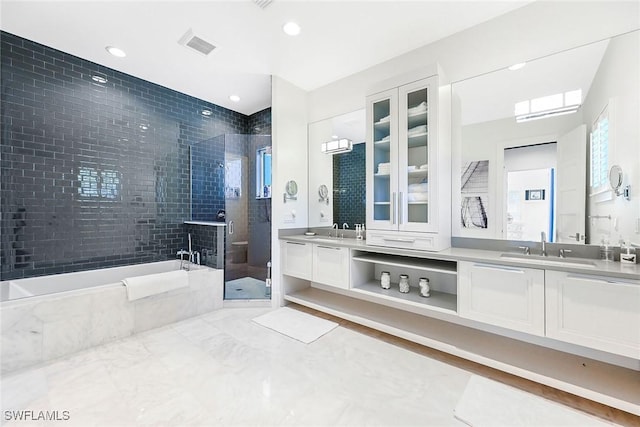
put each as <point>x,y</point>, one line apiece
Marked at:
<point>43,318</point>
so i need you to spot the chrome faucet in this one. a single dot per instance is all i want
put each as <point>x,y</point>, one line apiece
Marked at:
<point>525,249</point>
<point>564,252</point>
<point>335,226</point>
<point>344,227</point>
<point>543,241</point>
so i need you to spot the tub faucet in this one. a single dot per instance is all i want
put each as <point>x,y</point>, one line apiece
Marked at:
<point>543,242</point>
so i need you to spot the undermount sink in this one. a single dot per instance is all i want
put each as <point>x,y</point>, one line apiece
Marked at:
<point>323,239</point>
<point>571,262</point>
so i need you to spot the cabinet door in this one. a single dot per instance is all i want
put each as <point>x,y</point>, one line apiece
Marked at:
<point>297,259</point>
<point>382,153</point>
<point>331,266</point>
<point>594,311</point>
<point>416,149</point>
<point>510,297</point>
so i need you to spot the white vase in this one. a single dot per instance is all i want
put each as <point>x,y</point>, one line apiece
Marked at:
<point>404,283</point>
<point>424,287</point>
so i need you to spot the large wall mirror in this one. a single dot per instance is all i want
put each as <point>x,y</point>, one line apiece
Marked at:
<point>534,144</point>
<point>337,179</point>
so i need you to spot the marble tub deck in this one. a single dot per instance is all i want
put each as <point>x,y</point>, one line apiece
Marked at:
<point>223,369</point>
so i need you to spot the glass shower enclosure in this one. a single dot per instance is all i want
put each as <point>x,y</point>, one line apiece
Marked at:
<point>231,182</point>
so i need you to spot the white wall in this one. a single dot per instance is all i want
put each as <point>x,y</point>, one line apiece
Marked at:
<point>532,31</point>
<point>289,134</point>
<point>617,84</point>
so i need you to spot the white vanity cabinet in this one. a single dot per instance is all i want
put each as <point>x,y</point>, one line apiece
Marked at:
<point>331,265</point>
<point>297,259</point>
<point>408,172</point>
<point>594,311</point>
<point>319,263</point>
<point>510,297</point>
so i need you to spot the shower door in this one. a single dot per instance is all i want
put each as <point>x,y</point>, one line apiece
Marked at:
<point>246,254</point>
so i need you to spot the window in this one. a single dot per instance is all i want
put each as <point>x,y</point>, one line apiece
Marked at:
<point>263,173</point>
<point>96,184</point>
<point>599,140</point>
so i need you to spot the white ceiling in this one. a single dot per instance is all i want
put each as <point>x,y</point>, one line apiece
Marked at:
<point>338,38</point>
<point>493,96</point>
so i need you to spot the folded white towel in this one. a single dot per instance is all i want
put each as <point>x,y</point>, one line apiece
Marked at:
<point>417,197</point>
<point>420,108</point>
<point>417,130</point>
<point>152,284</point>
<point>419,188</point>
<point>385,119</point>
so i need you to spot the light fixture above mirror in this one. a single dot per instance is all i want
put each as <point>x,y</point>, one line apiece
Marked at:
<point>337,146</point>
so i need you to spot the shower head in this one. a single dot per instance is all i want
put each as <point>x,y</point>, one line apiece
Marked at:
<point>221,165</point>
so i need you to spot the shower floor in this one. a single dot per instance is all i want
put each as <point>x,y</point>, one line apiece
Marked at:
<point>245,288</point>
<point>244,281</point>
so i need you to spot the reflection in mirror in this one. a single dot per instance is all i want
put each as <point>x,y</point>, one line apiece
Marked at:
<point>533,147</point>
<point>343,174</point>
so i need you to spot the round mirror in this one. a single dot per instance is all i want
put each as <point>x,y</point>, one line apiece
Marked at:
<point>292,188</point>
<point>615,177</point>
<point>323,191</point>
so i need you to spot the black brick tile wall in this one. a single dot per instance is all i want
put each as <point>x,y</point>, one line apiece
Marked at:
<point>349,187</point>
<point>207,179</point>
<point>94,175</point>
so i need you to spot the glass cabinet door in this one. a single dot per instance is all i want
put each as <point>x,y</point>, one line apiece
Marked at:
<point>382,122</point>
<point>414,147</point>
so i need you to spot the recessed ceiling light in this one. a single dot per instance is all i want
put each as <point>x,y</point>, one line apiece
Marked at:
<point>234,98</point>
<point>206,112</point>
<point>517,66</point>
<point>99,78</point>
<point>116,51</point>
<point>291,28</point>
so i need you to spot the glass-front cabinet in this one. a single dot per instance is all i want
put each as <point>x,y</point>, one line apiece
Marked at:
<point>402,166</point>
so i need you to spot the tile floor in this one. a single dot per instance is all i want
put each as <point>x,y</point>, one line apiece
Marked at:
<point>223,369</point>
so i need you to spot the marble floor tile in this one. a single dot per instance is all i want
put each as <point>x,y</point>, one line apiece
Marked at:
<point>223,369</point>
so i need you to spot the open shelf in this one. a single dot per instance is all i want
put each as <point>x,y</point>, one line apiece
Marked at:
<point>440,301</point>
<point>609,384</point>
<point>439,266</point>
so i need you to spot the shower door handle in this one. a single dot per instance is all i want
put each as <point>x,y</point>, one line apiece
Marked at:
<point>230,227</point>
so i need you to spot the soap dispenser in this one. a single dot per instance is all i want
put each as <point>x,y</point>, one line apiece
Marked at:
<point>606,252</point>
<point>627,254</point>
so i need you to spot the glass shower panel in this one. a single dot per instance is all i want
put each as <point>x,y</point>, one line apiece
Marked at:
<point>248,220</point>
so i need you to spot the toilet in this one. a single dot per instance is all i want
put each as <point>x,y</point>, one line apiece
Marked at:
<point>239,252</point>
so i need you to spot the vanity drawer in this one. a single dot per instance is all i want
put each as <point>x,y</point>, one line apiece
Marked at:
<point>396,239</point>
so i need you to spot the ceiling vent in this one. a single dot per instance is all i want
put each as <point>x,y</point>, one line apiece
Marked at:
<point>262,3</point>
<point>196,43</point>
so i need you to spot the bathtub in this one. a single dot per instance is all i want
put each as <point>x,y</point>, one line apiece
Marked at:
<point>43,318</point>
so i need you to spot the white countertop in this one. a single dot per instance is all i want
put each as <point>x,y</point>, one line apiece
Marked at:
<point>602,268</point>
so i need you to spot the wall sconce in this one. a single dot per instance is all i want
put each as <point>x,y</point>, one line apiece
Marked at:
<point>337,146</point>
